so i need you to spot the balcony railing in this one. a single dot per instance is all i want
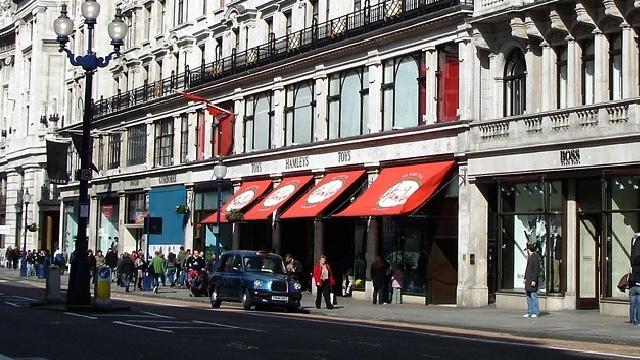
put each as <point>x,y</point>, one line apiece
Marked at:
<point>370,17</point>
<point>615,118</point>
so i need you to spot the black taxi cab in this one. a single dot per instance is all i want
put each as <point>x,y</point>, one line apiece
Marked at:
<point>253,278</point>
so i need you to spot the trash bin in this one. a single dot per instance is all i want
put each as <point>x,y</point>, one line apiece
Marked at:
<point>40,271</point>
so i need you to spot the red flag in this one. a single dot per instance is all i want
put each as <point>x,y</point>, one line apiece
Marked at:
<point>193,97</point>
<point>216,111</point>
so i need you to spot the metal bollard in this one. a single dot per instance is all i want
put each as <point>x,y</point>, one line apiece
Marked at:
<point>53,285</point>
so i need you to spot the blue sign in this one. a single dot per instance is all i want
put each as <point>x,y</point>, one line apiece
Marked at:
<point>104,273</point>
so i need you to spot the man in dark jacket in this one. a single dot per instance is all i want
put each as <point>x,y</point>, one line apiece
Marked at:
<point>111,260</point>
<point>531,276</point>
<point>125,269</point>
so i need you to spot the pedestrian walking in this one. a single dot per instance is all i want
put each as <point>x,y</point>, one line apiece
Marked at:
<point>111,260</point>
<point>324,280</point>
<point>158,266</point>
<point>171,269</point>
<point>125,269</point>
<point>92,265</point>
<point>531,277</point>
<point>8,255</point>
<point>379,277</point>
<point>181,259</point>
<point>100,261</point>
<point>634,282</point>
<point>397,280</point>
<point>294,268</point>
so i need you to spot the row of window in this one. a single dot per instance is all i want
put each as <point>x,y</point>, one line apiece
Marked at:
<point>515,76</point>
<point>403,103</point>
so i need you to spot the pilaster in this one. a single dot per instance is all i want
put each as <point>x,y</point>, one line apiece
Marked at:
<point>374,66</point>
<point>601,72</point>
<point>431,59</point>
<point>277,128</point>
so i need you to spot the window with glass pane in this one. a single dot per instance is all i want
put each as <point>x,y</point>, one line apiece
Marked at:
<point>163,147</point>
<point>136,205</point>
<point>147,13</point>
<point>515,84</point>
<point>348,103</point>
<point>137,145</point>
<point>561,54</point>
<point>299,110</point>
<point>180,12</point>
<point>615,67</point>
<point>184,137</point>
<point>531,213</point>
<point>401,92</point>
<point>257,122</point>
<point>623,222</point>
<point>588,69</point>
<point>114,151</point>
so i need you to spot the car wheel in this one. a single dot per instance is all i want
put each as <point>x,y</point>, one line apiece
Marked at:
<point>215,302</point>
<point>246,300</point>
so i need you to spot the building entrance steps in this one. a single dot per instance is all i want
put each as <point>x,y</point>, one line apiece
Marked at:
<point>573,325</point>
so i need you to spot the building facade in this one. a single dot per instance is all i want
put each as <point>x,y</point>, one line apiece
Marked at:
<point>32,75</point>
<point>440,135</point>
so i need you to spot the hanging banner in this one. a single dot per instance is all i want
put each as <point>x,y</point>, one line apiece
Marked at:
<point>57,162</point>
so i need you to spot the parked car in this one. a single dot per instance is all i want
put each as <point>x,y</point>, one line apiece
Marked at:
<point>253,278</point>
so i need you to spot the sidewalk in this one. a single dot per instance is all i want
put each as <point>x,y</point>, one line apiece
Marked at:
<point>584,326</point>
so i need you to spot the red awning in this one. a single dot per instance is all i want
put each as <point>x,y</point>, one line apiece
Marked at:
<point>326,191</point>
<point>248,193</point>
<point>277,197</point>
<point>400,190</point>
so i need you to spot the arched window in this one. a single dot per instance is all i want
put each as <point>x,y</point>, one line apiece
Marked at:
<point>348,103</point>
<point>257,122</point>
<point>299,113</point>
<point>403,82</point>
<point>515,83</point>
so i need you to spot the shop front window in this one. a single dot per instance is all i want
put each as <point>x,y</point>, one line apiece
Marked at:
<point>623,220</point>
<point>531,213</point>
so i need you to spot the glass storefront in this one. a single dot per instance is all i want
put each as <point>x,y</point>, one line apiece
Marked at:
<point>531,213</point>
<point>622,222</point>
<point>108,224</point>
<point>205,238</point>
<point>425,247</point>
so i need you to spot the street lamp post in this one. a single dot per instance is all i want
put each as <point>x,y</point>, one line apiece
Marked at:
<point>26,198</point>
<point>78,292</point>
<point>219,171</point>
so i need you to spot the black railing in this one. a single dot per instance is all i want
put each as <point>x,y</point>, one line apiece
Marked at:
<point>370,17</point>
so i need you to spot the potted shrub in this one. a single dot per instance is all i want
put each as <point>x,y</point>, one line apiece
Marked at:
<point>235,215</point>
<point>33,227</point>
<point>182,209</point>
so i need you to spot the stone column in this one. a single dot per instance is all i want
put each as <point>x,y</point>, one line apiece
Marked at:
<point>467,57</point>
<point>277,137</point>
<point>93,223</point>
<point>150,143</point>
<point>238,133</point>
<point>532,87</point>
<point>573,73</point>
<point>321,91</point>
<point>570,248</point>
<point>472,288</point>
<point>374,66</point>
<point>547,98</point>
<point>629,58</point>
<point>496,63</point>
<point>276,241</point>
<point>122,217</point>
<point>601,72</point>
<point>431,112</point>
<point>236,227</point>
<point>188,228</point>
<point>373,170</point>
<point>193,135</point>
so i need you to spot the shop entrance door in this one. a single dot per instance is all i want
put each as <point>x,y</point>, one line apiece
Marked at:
<point>588,261</point>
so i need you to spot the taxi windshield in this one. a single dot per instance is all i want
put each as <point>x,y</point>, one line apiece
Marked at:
<point>268,264</point>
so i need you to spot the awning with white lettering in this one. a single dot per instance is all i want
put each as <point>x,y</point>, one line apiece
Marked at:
<point>248,193</point>
<point>400,190</point>
<point>287,188</point>
<point>322,194</point>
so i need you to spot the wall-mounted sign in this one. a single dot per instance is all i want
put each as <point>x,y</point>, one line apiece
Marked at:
<point>297,162</point>
<point>344,156</point>
<point>134,183</point>
<point>256,167</point>
<point>167,179</point>
<point>570,157</point>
